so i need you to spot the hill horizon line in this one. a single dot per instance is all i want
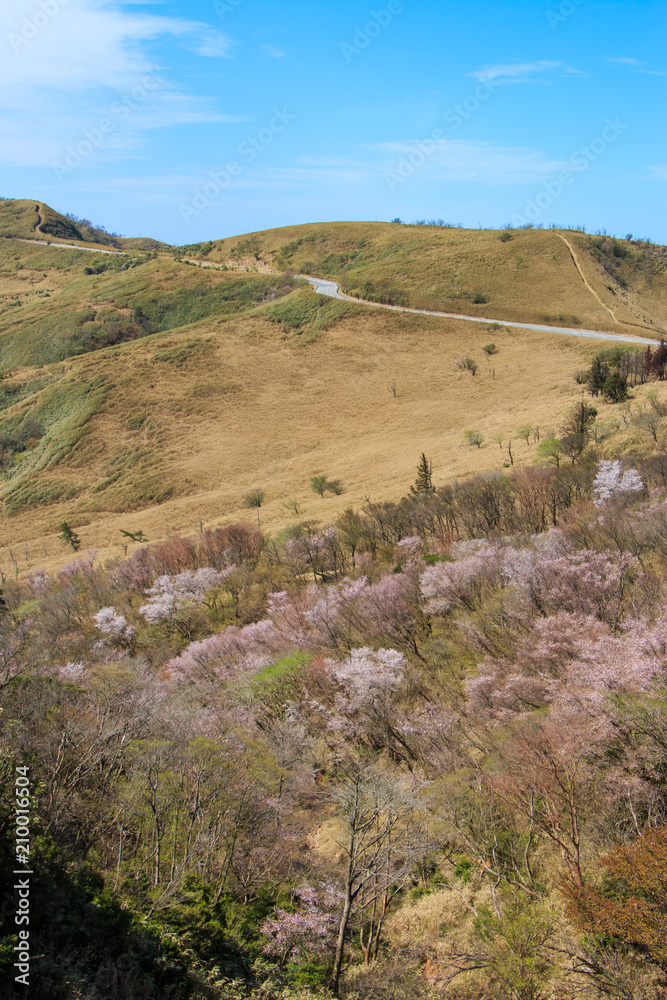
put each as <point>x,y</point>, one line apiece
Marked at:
<point>84,228</point>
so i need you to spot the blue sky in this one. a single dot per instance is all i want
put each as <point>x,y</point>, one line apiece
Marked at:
<point>199,120</point>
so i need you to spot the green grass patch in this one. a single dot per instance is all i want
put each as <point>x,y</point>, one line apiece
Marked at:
<point>274,675</point>
<point>304,311</point>
<point>37,493</point>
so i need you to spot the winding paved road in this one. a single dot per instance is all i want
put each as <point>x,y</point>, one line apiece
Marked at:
<point>331,289</point>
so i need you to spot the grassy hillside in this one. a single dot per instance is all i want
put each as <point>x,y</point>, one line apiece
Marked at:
<point>163,432</point>
<point>523,275</point>
<point>25,219</point>
<point>57,303</point>
<point>142,393</point>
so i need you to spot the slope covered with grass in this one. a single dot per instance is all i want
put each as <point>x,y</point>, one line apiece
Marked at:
<point>25,219</point>
<point>52,307</point>
<point>143,393</point>
<point>523,275</point>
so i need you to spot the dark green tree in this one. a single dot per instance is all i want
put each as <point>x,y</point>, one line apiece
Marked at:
<point>660,360</point>
<point>597,376</point>
<point>615,388</point>
<point>134,536</point>
<point>69,536</point>
<point>423,484</point>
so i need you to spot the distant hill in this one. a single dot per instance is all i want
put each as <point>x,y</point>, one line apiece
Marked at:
<point>26,219</point>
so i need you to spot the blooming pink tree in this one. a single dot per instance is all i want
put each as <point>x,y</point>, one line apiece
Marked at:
<point>173,598</point>
<point>308,930</point>
<point>38,581</point>
<point>114,627</point>
<point>611,482</point>
<point>231,653</point>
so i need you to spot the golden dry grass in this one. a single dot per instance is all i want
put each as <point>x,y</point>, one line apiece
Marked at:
<point>530,278</point>
<point>168,432</point>
<point>253,407</point>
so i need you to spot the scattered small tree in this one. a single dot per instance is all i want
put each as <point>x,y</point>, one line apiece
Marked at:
<point>576,431</point>
<point>474,438</point>
<point>470,365</point>
<point>551,450</point>
<point>524,432</point>
<point>69,536</point>
<point>424,482</point>
<point>318,484</point>
<point>255,498</point>
<point>134,536</point>
<point>322,485</point>
<point>650,422</point>
<point>489,349</point>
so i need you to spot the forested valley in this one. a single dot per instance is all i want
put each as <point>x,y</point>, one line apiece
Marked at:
<point>417,752</point>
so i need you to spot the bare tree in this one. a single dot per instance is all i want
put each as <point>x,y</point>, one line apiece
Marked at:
<point>13,649</point>
<point>384,834</point>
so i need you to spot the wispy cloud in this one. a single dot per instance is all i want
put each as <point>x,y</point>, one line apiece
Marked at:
<point>275,53</point>
<point>364,169</point>
<point>61,73</point>
<point>213,45</point>
<point>473,161</point>
<point>636,65</point>
<point>540,70</point>
<point>658,171</point>
<point>625,61</point>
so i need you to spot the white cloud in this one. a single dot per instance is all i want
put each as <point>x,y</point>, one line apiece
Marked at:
<point>524,72</point>
<point>214,45</point>
<point>625,61</point>
<point>274,52</point>
<point>65,65</point>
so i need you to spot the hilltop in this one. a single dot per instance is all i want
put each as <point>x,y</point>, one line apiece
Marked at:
<point>143,393</point>
<point>21,218</point>
<point>527,275</point>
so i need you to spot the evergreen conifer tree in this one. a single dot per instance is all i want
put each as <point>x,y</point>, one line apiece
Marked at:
<point>597,376</point>
<point>70,536</point>
<point>424,482</point>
